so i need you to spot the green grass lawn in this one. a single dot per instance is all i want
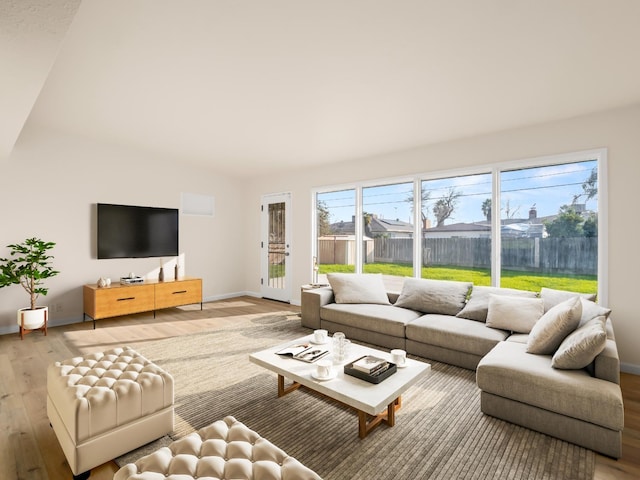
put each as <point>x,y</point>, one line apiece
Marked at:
<point>480,276</point>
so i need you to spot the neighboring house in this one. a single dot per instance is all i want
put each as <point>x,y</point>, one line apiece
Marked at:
<point>379,227</point>
<point>532,227</point>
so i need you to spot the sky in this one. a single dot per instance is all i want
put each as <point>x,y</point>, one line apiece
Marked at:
<point>547,188</point>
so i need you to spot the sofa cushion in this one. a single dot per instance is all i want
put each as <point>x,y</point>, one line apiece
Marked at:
<point>547,334</point>
<point>582,346</point>
<point>386,319</point>
<point>454,333</point>
<point>478,304</point>
<point>516,314</point>
<point>433,296</point>
<point>358,288</point>
<point>553,297</point>
<point>510,372</point>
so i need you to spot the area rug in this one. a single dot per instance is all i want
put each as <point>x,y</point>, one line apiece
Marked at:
<point>440,432</point>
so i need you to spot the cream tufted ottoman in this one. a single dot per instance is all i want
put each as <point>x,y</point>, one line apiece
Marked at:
<point>106,404</point>
<point>225,450</point>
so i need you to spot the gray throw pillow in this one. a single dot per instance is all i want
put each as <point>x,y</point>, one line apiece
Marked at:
<point>553,297</point>
<point>358,288</point>
<point>433,296</point>
<point>515,314</point>
<point>582,346</point>
<point>549,332</point>
<point>478,304</point>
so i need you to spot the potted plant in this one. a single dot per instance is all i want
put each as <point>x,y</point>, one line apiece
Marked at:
<point>29,265</point>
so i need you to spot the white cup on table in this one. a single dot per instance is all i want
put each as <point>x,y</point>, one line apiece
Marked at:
<point>324,368</point>
<point>320,336</point>
<point>399,357</point>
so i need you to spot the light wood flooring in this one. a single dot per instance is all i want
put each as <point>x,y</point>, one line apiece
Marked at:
<point>29,449</point>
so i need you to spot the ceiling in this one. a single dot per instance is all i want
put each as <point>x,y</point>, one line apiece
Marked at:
<point>251,86</point>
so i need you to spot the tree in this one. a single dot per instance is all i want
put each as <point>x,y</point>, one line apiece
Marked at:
<point>590,226</point>
<point>568,223</point>
<point>324,225</point>
<point>425,196</point>
<point>509,213</point>
<point>445,206</point>
<point>486,209</point>
<point>589,187</point>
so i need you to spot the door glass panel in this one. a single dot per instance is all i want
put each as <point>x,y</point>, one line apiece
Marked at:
<point>387,232</point>
<point>456,230</point>
<point>549,227</point>
<point>277,248</point>
<point>336,240</point>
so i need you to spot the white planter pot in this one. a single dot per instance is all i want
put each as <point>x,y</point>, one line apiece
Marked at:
<point>33,319</point>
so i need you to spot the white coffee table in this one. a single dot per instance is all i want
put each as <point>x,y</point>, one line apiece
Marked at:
<point>375,403</point>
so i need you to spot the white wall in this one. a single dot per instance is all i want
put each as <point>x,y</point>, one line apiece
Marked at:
<point>617,130</point>
<point>50,184</point>
<point>67,175</point>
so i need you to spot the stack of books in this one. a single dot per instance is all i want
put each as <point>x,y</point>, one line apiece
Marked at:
<point>370,368</point>
<point>371,365</point>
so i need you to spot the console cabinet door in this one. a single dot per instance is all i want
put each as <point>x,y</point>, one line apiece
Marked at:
<point>182,292</point>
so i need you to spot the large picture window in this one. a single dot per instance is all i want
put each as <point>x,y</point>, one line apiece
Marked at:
<point>525,224</point>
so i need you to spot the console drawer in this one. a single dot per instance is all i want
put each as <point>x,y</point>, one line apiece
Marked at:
<point>119,300</point>
<point>181,292</point>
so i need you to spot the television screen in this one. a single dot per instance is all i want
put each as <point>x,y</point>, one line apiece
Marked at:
<point>126,231</point>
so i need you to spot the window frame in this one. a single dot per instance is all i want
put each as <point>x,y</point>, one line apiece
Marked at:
<point>495,169</point>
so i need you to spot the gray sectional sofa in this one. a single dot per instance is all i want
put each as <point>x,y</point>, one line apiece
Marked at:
<point>545,361</point>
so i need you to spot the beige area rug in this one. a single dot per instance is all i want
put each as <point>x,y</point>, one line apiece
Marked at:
<point>440,432</point>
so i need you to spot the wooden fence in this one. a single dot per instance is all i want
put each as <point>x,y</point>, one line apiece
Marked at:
<point>578,256</point>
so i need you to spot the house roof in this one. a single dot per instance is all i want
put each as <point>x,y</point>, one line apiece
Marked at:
<point>255,87</point>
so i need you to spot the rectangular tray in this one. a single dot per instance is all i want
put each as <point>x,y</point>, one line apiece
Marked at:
<point>349,370</point>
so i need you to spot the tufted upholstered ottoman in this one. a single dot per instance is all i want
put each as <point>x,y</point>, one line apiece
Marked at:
<point>225,450</point>
<point>103,405</point>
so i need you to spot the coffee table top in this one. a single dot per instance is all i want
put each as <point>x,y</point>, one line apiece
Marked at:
<point>367,397</point>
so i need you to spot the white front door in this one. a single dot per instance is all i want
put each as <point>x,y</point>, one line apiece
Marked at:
<point>276,247</point>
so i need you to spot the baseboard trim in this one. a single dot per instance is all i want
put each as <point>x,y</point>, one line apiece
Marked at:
<point>630,368</point>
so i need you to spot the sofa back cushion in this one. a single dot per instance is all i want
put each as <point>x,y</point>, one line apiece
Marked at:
<point>514,314</point>
<point>433,296</point>
<point>478,305</point>
<point>358,288</point>
<point>553,297</point>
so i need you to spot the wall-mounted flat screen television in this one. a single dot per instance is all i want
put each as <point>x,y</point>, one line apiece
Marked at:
<point>127,231</point>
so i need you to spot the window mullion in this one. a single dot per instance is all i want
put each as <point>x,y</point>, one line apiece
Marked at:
<point>496,232</point>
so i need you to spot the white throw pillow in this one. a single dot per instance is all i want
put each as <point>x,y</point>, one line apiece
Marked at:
<point>582,346</point>
<point>478,305</point>
<point>549,332</point>
<point>515,314</point>
<point>433,296</point>
<point>553,297</point>
<point>592,310</point>
<point>358,288</point>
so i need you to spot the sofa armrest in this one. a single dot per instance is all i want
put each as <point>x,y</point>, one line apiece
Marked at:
<point>607,363</point>
<point>311,302</point>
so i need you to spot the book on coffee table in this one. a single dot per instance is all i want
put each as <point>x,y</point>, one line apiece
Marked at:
<point>304,351</point>
<point>311,354</point>
<point>293,350</point>
<point>370,364</point>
